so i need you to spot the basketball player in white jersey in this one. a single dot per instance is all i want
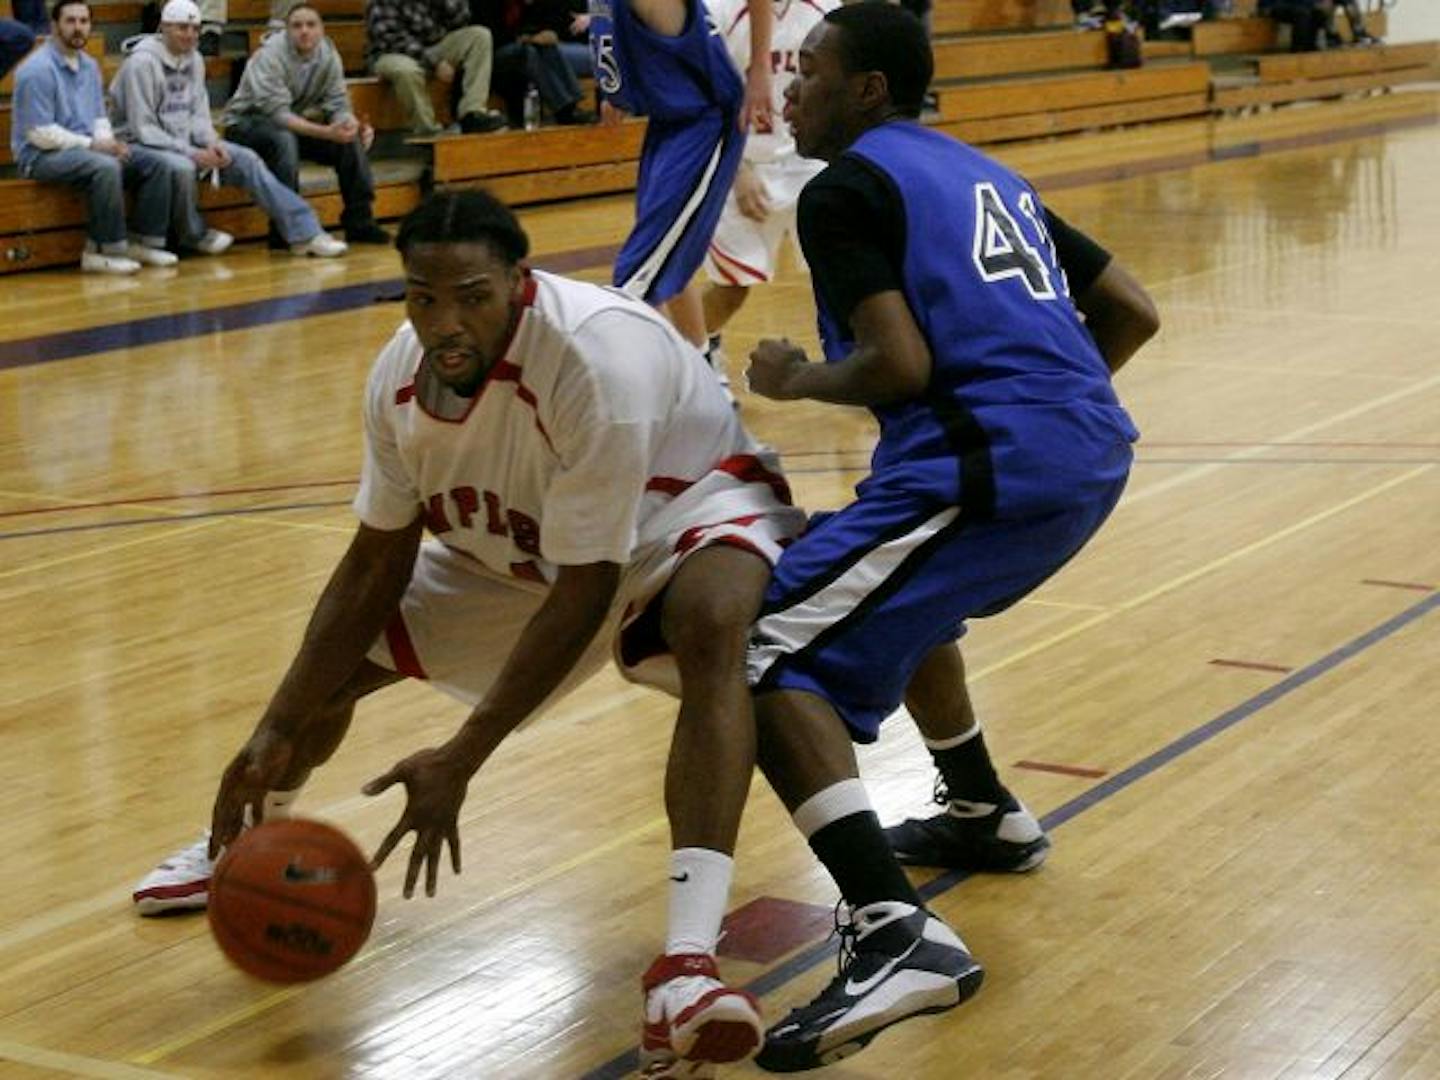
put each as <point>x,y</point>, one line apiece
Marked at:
<point>760,211</point>
<point>590,494</point>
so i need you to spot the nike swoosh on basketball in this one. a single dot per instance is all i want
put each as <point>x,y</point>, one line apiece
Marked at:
<point>864,986</point>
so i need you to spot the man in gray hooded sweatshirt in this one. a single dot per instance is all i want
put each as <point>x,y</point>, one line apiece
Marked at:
<point>292,105</point>
<point>160,102</point>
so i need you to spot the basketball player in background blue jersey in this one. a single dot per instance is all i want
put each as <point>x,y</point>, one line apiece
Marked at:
<point>665,60</point>
<point>944,309</point>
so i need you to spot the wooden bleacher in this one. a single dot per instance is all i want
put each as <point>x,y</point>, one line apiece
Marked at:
<point>1280,78</point>
<point>1006,70</point>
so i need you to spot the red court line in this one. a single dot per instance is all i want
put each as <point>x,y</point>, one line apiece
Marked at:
<point>1415,586</point>
<point>1063,770</point>
<point>216,493</point>
<point>1251,665</point>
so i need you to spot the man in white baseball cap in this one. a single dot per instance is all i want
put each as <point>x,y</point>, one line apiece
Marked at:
<point>160,102</point>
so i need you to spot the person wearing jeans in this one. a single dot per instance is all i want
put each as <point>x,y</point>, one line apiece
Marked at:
<point>160,102</point>
<point>61,135</point>
<point>292,105</point>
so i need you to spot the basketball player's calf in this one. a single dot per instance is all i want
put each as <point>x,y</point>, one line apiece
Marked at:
<point>897,959</point>
<point>272,771</point>
<point>691,1016</point>
<point>983,826</point>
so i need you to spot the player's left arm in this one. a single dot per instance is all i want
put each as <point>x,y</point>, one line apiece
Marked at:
<point>890,363</point>
<point>436,780</point>
<point>759,107</point>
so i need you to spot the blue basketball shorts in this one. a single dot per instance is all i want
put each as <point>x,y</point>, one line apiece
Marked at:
<point>686,169</point>
<point>859,600</point>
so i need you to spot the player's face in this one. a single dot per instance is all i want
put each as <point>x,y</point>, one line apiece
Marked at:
<point>462,300</point>
<point>180,38</point>
<point>305,30</point>
<point>73,26</point>
<point>817,99</point>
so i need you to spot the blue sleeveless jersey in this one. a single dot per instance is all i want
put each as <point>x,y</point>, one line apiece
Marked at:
<point>667,78</point>
<point>1020,416</point>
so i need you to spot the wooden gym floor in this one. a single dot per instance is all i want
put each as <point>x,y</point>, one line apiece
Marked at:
<point>1225,709</point>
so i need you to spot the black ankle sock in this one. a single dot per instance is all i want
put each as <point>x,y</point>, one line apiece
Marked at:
<point>969,773</point>
<point>856,853</point>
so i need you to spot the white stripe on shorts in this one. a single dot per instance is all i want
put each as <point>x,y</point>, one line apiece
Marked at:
<point>638,283</point>
<point>788,631</point>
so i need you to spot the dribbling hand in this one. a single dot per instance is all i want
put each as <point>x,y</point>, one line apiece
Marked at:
<point>258,768</point>
<point>435,786</point>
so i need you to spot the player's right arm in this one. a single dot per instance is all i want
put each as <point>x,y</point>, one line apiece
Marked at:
<point>1118,311</point>
<point>362,594</point>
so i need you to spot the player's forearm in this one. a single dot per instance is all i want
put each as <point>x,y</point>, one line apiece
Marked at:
<point>762,31</point>
<point>1119,314</point>
<point>868,377</point>
<point>547,650</point>
<point>359,600</point>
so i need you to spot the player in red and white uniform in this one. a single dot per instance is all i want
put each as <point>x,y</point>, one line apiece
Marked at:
<point>760,212</point>
<point>589,492</point>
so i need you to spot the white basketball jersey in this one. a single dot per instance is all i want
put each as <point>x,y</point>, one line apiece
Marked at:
<point>794,19</point>
<point>590,439</point>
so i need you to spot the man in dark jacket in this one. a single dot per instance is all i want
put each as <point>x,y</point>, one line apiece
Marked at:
<point>527,35</point>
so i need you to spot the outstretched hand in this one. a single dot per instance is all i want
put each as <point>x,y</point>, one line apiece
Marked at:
<point>258,768</point>
<point>435,785</point>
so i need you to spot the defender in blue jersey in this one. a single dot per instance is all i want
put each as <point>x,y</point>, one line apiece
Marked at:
<point>944,308</point>
<point>665,60</point>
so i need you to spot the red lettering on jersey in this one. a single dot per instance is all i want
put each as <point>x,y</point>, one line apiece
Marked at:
<point>467,502</point>
<point>435,519</point>
<point>494,519</point>
<point>525,530</point>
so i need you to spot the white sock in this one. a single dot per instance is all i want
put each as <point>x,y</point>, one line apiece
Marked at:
<point>699,891</point>
<point>276,804</point>
<point>954,741</point>
<point>837,801</point>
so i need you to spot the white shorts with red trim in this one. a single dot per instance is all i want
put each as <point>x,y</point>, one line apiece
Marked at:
<point>458,620</point>
<point>746,252</point>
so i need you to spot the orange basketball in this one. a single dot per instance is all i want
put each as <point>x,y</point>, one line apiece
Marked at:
<point>291,900</point>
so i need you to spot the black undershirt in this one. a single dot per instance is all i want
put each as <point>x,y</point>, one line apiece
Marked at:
<point>851,221</point>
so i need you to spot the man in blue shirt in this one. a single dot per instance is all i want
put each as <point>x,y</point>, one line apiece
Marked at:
<point>944,309</point>
<point>61,135</point>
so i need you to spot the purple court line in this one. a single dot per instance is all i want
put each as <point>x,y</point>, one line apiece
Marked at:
<point>75,508</point>
<point>161,328</point>
<point>187,324</point>
<point>818,953</point>
<point>181,497</point>
<point>171,519</point>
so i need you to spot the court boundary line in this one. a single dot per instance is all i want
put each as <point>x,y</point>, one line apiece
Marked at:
<point>199,322</point>
<point>813,955</point>
<point>76,1065</point>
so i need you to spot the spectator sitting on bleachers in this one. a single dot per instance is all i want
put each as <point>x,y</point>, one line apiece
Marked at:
<point>61,135</point>
<point>16,40</point>
<point>292,104</point>
<point>407,39</point>
<point>1304,17</point>
<point>526,36</point>
<point>575,39</point>
<point>160,102</point>
<point>1359,35</point>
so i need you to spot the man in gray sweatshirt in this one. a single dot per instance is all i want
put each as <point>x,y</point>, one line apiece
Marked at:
<point>159,102</point>
<point>292,105</point>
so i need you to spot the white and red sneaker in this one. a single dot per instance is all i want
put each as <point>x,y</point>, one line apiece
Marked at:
<point>693,1021</point>
<point>180,883</point>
